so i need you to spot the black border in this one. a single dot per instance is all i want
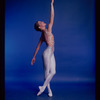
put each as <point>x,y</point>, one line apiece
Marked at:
<point>97,46</point>
<point>2,39</point>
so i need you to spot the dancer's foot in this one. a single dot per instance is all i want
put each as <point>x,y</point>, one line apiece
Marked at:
<point>50,93</point>
<point>41,88</point>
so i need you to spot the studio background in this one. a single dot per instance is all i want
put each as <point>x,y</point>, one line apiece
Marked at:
<point>74,32</point>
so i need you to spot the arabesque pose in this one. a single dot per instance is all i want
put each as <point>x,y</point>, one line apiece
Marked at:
<point>48,54</point>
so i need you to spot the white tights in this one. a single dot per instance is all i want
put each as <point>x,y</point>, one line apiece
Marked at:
<point>49,69</point>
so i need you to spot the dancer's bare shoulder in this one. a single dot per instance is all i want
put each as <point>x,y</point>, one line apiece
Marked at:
<point>49,28</point>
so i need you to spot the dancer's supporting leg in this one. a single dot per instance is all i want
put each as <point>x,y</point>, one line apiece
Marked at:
<point>53,70</point>
<point>48,86</point>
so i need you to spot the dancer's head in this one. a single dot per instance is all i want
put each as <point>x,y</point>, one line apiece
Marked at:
<point>39,25</point>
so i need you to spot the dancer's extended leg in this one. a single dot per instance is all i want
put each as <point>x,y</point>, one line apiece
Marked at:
<point>46,61</point>
<point>42,88</point>
<point>49,62</point>
<point>51,74</point>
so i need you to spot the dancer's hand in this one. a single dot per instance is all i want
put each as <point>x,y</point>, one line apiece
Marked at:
<point>52,1</point>
<point>33,61</point>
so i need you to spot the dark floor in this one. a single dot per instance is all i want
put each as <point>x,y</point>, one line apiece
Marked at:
<point>61,91</point>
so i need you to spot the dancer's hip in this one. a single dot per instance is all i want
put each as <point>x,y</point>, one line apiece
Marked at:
<point>48,51</point>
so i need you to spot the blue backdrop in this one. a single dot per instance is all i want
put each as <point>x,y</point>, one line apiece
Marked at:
<point>74,32</point>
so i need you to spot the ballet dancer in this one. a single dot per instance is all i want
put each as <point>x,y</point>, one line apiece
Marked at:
<point>48,54</point>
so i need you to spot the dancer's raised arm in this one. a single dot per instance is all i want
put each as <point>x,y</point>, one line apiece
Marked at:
<point>51,16</point>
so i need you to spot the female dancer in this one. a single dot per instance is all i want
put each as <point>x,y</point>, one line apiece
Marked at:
<point>48,54</point>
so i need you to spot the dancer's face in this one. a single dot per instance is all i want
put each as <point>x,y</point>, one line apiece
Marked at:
<point>41,24</point>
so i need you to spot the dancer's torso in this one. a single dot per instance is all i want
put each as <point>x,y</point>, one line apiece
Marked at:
<point>49,39</point>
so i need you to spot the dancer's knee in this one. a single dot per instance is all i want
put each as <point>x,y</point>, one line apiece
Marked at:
<point>53,73</point>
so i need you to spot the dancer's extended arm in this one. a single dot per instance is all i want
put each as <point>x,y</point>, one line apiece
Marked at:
<point>36,50</point>
<point>51,16</point>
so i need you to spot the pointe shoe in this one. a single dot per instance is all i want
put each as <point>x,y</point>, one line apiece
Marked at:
<point>41,90</point>
<point>50,94</point>
<point>40,87</point>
